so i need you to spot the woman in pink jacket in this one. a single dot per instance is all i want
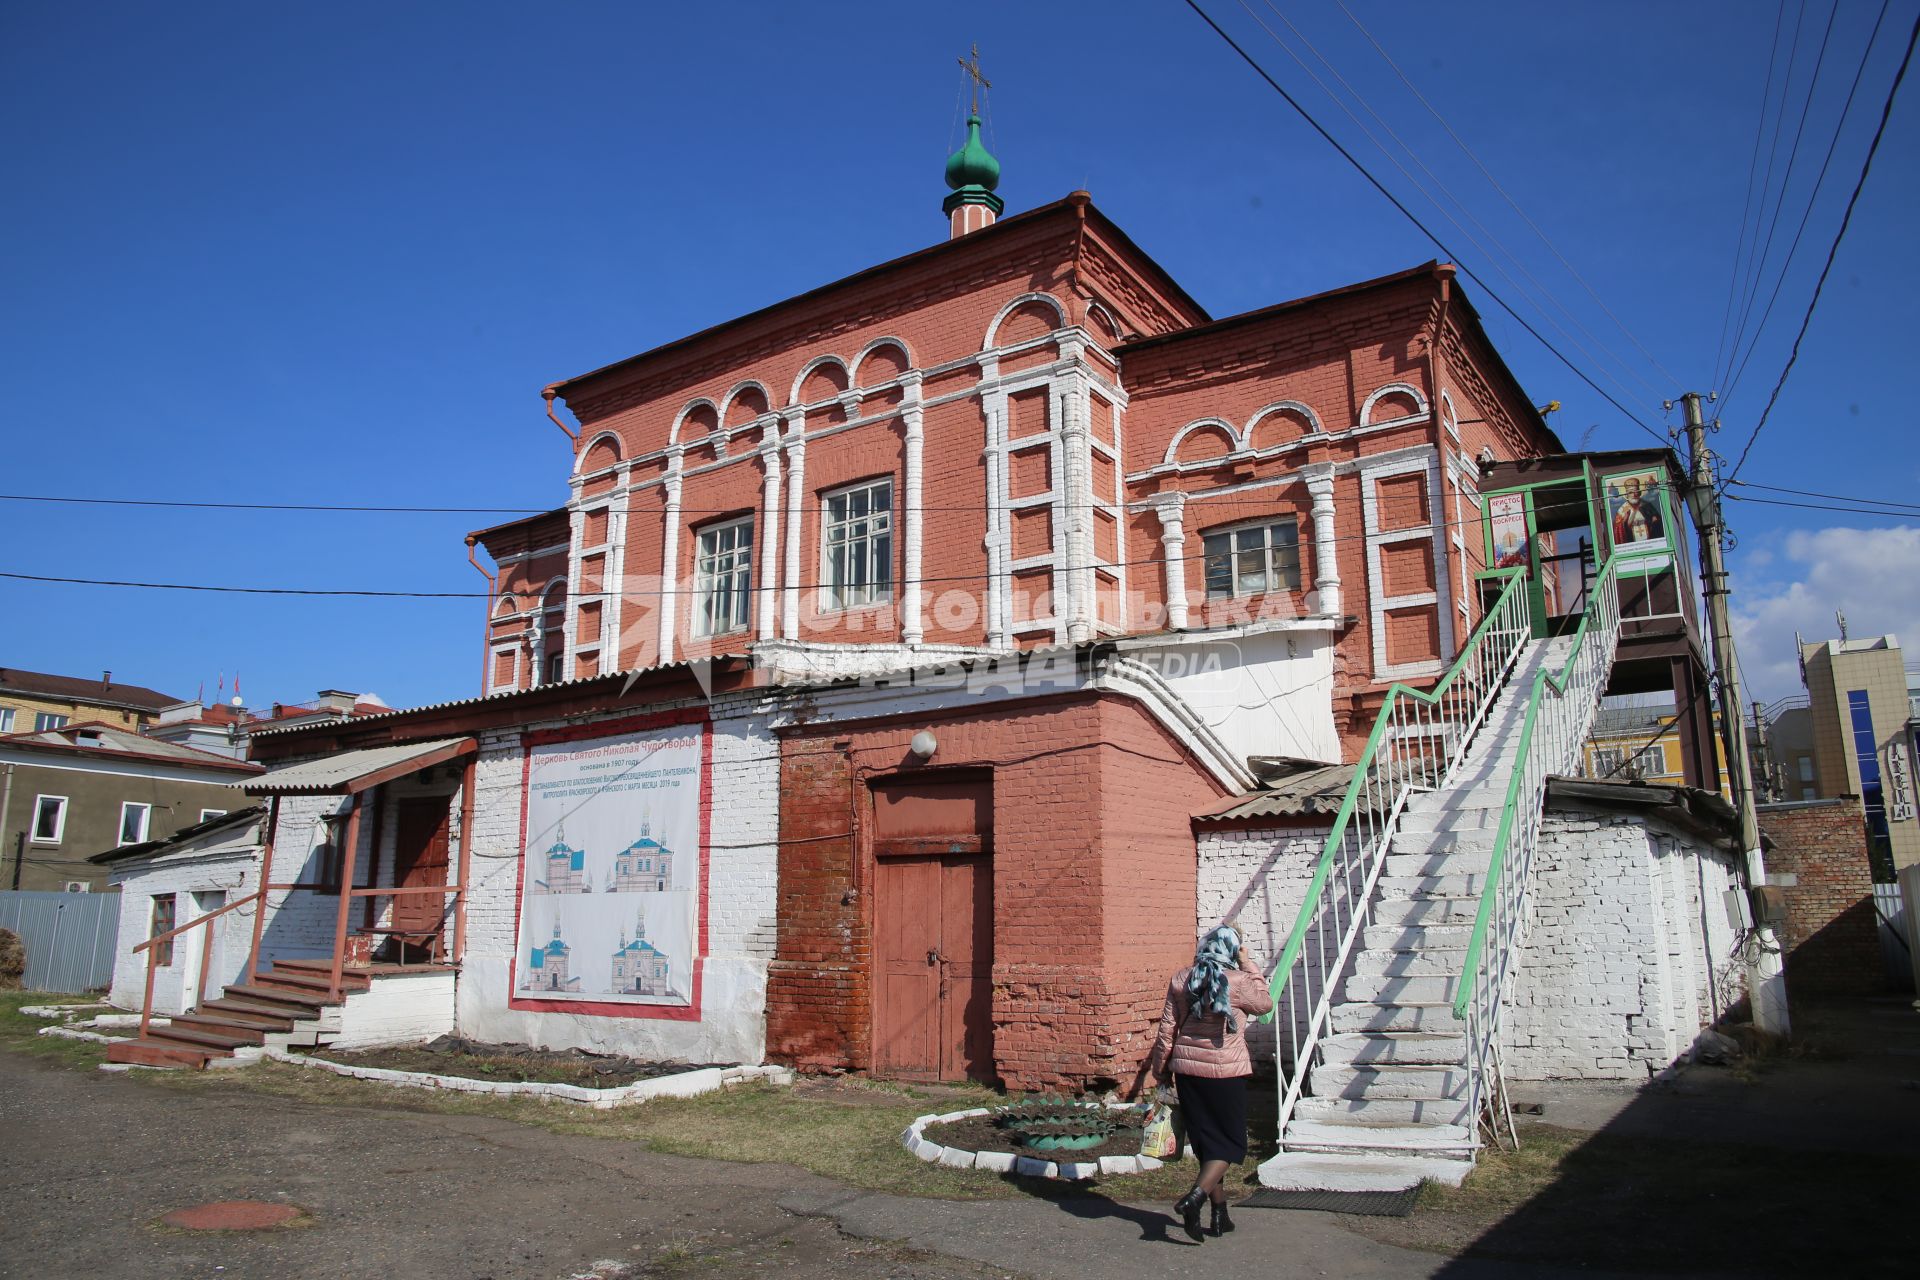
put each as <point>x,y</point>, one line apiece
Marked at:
<point>1203,1045</point>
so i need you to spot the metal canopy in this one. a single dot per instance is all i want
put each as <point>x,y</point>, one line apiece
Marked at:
<point>353,771</point>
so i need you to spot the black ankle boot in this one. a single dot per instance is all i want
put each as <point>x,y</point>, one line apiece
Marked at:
<point>1188,1207</point>
<point>1221,1223</point>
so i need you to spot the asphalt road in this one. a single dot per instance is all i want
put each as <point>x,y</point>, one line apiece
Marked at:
<point>89,1161</point>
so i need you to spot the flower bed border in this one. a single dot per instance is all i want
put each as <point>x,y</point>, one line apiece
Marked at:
<point>683,1084</point>
<point>1006,1162</point>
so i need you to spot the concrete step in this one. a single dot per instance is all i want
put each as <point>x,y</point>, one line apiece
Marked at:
<point>1445,1140</point>
<point>1402,864</point>
<point>1389,989</point>
<point>1408,964</point>
<point>1426,910</point>
<point>1366,1048</point>
<point>1312,1171</point>
<point>1382,1111</point>
<point>1477,843</point>
<point>1404,1081</point>
<point>1454,819</point>
<point>1421,938</point>
<point>1437,1018</point>
<point>1469,884</point>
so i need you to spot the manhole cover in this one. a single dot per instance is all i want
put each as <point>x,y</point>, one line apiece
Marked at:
<point>234,1215</point>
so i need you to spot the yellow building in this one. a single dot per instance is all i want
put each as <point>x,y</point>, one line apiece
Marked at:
<point>1637,739</point>
<point>34,702</point>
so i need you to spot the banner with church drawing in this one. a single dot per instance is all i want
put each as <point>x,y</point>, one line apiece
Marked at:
<point>610,886</point>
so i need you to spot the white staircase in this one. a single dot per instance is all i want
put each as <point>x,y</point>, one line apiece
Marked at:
<point>1391,1087</point>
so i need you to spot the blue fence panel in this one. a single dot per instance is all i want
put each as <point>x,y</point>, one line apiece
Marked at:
<point>69,937</point>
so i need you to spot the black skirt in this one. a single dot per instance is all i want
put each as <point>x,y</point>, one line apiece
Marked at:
<point>1215,1115</point>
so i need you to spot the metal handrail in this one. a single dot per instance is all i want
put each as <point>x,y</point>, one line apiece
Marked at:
<point>1399,758</point>
<point>1567,700</point>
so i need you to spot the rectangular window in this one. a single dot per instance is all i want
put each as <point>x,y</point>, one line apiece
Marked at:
<point>134,818</point>
<point>6,719</point>
<point>856,544</point>
<point>49,819</point>
<point>723,578</point>
<point>1252,559</point>
<point>46,720</point>
<point>207,815</point>
<point>1873,796</point>
<point>164,908</point>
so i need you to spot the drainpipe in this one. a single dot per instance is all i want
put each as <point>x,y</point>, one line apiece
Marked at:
<point>548,394</point>
<point>486,620</point>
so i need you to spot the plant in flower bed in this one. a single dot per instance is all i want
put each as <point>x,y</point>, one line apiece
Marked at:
<point>1049,1127</point>
<point>474,1060</point>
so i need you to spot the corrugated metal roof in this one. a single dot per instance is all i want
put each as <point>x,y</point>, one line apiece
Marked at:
<point>497,696</point>
<point>1311,793</point>
<point>335,773</point>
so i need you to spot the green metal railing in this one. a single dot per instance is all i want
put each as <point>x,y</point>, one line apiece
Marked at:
<point>1417,743</point>
<point>1560,711</point>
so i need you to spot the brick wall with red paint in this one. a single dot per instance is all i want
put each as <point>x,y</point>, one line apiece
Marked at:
<point>1831,938</point>
<point>1093,882</point>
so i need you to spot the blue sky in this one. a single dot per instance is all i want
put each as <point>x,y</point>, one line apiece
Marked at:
<point>331,254</point>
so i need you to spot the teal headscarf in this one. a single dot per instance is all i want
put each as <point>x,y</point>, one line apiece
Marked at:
<point>1218,955</point>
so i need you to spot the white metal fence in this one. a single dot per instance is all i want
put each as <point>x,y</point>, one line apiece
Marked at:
<point>69,937</point>
<point>1890,918</point>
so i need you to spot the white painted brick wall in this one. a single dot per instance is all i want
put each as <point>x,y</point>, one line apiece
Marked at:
<point>1627,954</point>
<point>227,867</point>
<point>1257,879</point>
<point>405,1009</point>
<point>742,876</point>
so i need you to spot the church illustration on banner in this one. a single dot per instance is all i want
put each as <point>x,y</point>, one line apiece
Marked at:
<point>645,866</point>
<point>547,967</point>
<point>566,868</point>
<point>639,967</point>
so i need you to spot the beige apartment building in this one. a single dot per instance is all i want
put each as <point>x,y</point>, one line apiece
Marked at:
<point>1857,696</point>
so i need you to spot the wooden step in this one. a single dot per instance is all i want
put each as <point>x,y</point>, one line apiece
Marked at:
<point>218,1025</point>
<point>307,970</point>
<point>240,1013</point>
<point>301,981</point>
<point>217,1042</point>
<point>280,995</point>
<point>149,1053</point>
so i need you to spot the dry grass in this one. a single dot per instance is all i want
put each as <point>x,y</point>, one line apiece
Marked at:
<point>22,1034</point>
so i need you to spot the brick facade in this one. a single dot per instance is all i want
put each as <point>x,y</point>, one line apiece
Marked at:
<point>1818,854</point>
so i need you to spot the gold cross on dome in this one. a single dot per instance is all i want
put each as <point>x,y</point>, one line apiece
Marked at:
<point>980,82</point>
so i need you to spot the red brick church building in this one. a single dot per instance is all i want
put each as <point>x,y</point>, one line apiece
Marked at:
<point>979,574</point>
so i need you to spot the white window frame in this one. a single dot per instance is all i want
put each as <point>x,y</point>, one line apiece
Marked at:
<point>59,822</point>
<point>6,719</point>
<point>735,562</point>
<point>839,597</point>
<point>47,721</point>
<point>207,815</point>
<point>1233,532</point>
<point>127,808</point>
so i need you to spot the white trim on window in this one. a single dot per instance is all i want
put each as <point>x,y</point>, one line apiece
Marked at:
<point>59,819</point>
<point>44,721</point>
<point>207,815</point>
<point>6,719</point>
<point>1246,567</point>
<point>144,815</point>
<point>723,577</point>
<point>856,546</point>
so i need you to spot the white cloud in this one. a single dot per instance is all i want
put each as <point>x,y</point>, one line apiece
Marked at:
<point>1872,575</point>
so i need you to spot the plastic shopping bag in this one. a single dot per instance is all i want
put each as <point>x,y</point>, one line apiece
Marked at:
<point>1157,1137</point>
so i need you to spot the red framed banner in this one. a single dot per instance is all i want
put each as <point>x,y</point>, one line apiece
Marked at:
<point>611,907</point>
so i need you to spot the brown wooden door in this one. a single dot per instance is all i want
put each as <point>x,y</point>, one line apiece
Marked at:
<point>933,981</point>
<point>419,860</point>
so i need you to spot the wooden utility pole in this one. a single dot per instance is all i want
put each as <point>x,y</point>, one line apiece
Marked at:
<point>1766,981</point>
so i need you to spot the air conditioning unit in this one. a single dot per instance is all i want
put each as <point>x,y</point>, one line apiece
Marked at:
<point>79,886</point>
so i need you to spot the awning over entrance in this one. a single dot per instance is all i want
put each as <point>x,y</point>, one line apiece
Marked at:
<point>354,771</point>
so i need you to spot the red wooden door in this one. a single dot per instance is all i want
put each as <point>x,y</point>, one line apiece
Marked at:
<point>420,860</point>
<point>933,980</point>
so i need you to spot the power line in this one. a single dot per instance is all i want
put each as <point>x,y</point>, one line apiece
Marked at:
<point>1813,196</point>
<point>661,592</point>
<point>1410,216</point>
<point>1846,219</point>
<point>1823,506</point>
<point>1812,493</point>
<point>273,506</point>
<point>1753,168</point>
<point>1492,258</point>
<point>1511,203</point>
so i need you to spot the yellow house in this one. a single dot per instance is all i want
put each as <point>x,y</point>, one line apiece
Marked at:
<point>35,701</point>
<point>1640,741</point>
